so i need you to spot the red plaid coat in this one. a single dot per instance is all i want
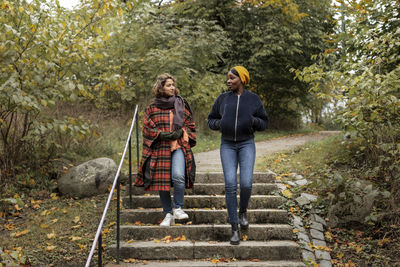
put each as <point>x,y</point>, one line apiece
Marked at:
<point>157,120</point>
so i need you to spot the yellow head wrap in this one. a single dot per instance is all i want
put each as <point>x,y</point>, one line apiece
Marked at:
<point>243,74</point>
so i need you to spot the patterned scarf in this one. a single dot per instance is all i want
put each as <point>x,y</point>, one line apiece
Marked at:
<point>175,102</point>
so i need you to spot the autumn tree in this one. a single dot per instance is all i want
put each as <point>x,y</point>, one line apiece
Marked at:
<point>45,53</point>
<point>270,38</point>
<point>362,75</point>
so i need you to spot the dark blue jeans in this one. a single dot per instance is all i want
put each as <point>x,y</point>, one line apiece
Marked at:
<point>178,181</point>
<point>242,153</point>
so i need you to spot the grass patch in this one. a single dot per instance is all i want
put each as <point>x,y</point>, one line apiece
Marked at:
<point>301,160</point>
<point>54,231</point>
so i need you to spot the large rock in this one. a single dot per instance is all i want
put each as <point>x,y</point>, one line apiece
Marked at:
<point>88,179</point>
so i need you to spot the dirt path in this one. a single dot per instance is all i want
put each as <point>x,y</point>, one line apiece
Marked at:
<point>210,161</point>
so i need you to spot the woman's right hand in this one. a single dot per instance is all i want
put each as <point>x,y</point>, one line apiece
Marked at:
<point>169,136</point>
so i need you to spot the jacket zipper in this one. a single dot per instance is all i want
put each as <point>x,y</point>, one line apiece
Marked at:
<point>237,112</point>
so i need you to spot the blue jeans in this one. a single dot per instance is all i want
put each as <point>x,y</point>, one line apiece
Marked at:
<point>242,153</point>
<point>178,181</point>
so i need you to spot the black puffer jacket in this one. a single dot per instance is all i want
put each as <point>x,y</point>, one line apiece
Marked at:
<point>238,117</point>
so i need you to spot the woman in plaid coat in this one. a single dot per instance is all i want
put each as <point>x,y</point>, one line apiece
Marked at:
<point>167,159</point>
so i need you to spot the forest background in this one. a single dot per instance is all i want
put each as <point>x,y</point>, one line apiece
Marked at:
<point>68,77</point>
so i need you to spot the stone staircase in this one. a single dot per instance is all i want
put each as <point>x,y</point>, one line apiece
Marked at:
<point>268,241</point>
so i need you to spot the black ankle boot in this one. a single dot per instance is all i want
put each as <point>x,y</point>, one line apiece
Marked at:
<point>244,223</point>
<point>235,239</point>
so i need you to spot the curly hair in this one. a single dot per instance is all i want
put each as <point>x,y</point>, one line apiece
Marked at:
<point>158,87</point>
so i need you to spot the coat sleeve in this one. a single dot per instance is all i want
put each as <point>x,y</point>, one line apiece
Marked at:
<point>214,117</point>
<point>190,127</point>
<point>150,130</point>
<point>260,119</point>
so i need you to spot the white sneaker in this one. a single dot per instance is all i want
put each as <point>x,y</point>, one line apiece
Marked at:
<point>179,214</point>
<point>168,220</point>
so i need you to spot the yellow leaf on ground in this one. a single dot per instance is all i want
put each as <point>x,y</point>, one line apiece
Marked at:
<point>54,196</point>
<point>245,237</point>
<point>295,231</point>
<point>156,241</point>
<point>44,226</point>
<point>215,261</point>
<point>75,238</point>
<point>81,246</point>
<point>17,207</point>
<point>287,193</point>
<point>180,238</point>
<point>51,235</point>
<point>64,210</point>
<point>45,213</point>
<point>130,260</point>
<point>10,226</point>
<point>328,235</point>
<point>130,241</point>
<point>50,248</point>
<point>76,219</point>
<point>21,233</point>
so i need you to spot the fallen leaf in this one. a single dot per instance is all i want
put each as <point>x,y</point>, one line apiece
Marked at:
<point>287,193</point>
<point>328,236</point>
<point>54,220</point>
<point>76,226</point>
<point>76,219</point>
<point>50,248</point>
<point>167,239</point>
<point>215,261</point>
<point>21,233</point>
<point>254,260</point>
<point>54,196</point>
<point>10,226</point>
<point>44,226</point>
<point>17,207</point>
<point>180,238</point>
<point>245,237</point>
<point>45,213</point>
<point>75,238</point>
<point>81,246</point>
<point>130,241</point>
<point>51,235</point>
<point>295,231</point>
<point>64,210</point>
<point>156,241</point>
<point>130,260</point>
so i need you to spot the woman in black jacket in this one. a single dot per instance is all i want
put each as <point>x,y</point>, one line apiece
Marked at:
<point>238,113</point>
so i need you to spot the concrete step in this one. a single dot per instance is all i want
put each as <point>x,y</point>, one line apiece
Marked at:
<point>184,250</point>
<point>202,216</point>
<point>218,177</point>
<point>214,189</point>
<point>220,232</point>
<point>210,263</point>
<point>198,201</point>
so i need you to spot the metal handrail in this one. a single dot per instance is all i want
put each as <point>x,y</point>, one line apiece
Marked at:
<point>116,183</point>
